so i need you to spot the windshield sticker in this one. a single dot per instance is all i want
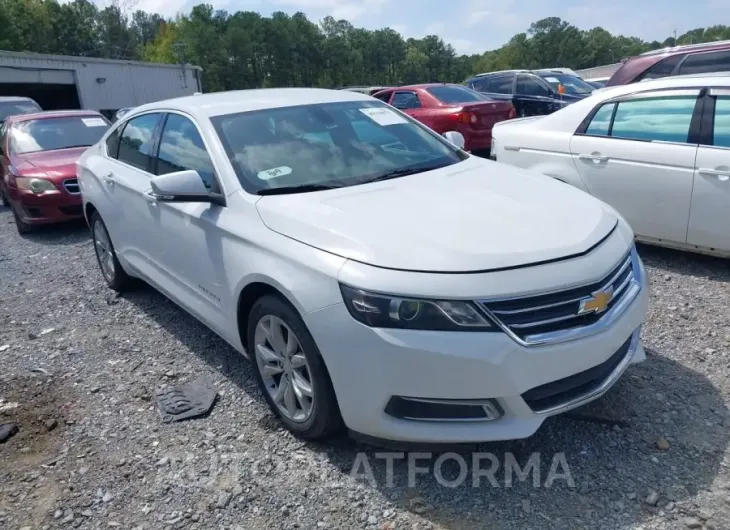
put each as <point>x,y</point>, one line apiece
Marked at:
<point>383,116</point>
<point>552,80</point>
<point>274,173</point>
<point>93,122</point>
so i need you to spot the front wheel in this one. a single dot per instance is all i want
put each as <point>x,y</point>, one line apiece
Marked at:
<point>111,269</point>
<point>22,226</point>
<point>4,198</point>
<point>290,370</point>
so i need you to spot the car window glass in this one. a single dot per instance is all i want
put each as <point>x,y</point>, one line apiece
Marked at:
<point>480,85</point>
<point>112,143</point>
<point>663,68</point>
<point>701,63</point>
<point>3,134</point>
<point>455,94</point>
<point>529,86</point>
<point>501,84</point>
<point>722,122</point>
<point>12,108</point>
<point>383,97</point>
<point>182,148</point>
<point>666,119</point>
<point>136,143</point>
<point>406,100</point>
<point>52,133</point>
<point>601,121</point>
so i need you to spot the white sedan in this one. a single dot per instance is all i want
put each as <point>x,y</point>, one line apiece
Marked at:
<point>658,152</point>
<point>378,276</point>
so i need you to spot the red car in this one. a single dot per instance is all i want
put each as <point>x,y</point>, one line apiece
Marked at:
<point>39,154</point>
<point>445,107</point>
<point>690,59</point>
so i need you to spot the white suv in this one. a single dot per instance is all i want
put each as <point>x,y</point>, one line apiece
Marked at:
<point>376,274</point>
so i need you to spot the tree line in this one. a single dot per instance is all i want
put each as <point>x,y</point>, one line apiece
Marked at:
<point>248,50</point>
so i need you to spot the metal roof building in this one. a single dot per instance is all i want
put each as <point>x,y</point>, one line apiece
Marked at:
<point>60,82</point>
<point>599,72</point>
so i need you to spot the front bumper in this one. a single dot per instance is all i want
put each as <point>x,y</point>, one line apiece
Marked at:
<point>47,207</point>
<point>370,367</point>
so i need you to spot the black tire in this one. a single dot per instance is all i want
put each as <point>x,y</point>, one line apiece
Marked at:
<point>325,419</point>
<point>4,198</point>
<point>119,280</point>
<point>22,226</point>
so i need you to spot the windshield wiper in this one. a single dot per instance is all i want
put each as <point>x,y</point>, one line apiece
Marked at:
<point>404,172</point>
<point>301,188</point>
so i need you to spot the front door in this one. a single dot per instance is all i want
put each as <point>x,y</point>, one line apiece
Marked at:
<point>533,96</point>
<point>635,155</point>
<point>709,221</point>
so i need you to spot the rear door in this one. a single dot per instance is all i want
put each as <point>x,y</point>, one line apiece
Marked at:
<point>709,221</point>
<point>533,96</point>
<point>637,153</point>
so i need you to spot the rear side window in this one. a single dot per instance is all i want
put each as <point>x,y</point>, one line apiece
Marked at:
<point>501,84</point>
<point>137,141</point>
<point>530,86</point>
<point>454,94</point>
<point>182,148</point>
<point>701,63</point>
<point>406,100</point>
<point>664,119</point>
<point>722,122</point>
<point>601,123</point>
<point>663,68</point>
<point>385,97</point>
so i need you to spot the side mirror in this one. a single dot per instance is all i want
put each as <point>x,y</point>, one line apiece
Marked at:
<point>455,138</point>
<point>183,186</point>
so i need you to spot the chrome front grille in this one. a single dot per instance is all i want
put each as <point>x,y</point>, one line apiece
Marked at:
<point>72,186</point>
<point>567,314</point>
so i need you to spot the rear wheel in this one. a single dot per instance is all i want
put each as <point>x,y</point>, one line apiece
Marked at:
<point>111,269</point>
<point>290,370</point>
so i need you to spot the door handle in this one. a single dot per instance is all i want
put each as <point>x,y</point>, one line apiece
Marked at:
<point>150,198</point>
<point>108,178</point>
<point>719,173</point>
<point>594,158</point>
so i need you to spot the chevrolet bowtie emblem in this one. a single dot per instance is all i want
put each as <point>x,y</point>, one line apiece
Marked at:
<point>597,302</point>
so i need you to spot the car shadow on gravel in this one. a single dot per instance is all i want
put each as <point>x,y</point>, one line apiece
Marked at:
<point>71,233</point>
<point>646,447</point>
<point>681,262</point>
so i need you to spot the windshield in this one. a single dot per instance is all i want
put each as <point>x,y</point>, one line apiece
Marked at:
<point>455,94</point>
<point>328,145</point>
<point>11,108</point>
<point>47,134</point>
<point>573,85</point>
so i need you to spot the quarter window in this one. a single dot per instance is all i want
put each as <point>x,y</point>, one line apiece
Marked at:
<point>406,100</point>
<point>722,122</point>
<point>137,141</point>
<point>663,68</point>
<point>601,123</point>
<point>664,119</point>
<point>182,148</point>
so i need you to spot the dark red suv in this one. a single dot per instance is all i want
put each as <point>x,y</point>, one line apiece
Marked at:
<point>681,60</point>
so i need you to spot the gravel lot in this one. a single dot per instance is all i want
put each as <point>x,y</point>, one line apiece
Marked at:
<point>82,367</point>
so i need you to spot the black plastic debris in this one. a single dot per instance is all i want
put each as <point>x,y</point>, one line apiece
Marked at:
<point>185,401</point>
<point>7,430</point>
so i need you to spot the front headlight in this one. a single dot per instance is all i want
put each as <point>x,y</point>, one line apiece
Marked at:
<point>36,185</point>
<point>384,311</point>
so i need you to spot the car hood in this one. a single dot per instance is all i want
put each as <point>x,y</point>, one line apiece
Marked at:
<point>58,164</point>
<point>473,216</point>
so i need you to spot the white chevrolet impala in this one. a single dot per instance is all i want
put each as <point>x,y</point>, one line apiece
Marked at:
<point>378,277</point>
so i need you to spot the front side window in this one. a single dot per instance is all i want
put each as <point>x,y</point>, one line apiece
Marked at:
<point>49,134</point>
<point>406,100</point>
<point>572,85</point>
<point>328,145</point>
<point>721,130</point>
<point>530,86</point>
<point>601,123</point>
<point>480,85</point>
<point>664,119</point>
<point>701,63</point>
<point>182,148</point>
<point>455,94</point>
<point>12,108</point>
<point>137,141</point>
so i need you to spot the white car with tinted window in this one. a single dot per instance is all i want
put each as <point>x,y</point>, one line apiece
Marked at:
<point>377,276</point>
<point>658,152</point>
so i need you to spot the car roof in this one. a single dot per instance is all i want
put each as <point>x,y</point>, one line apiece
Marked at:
<point>235,101</point>
<point>424,86</point>
<point>702,46</point>
<point>15,98</point>
<point>51,114</point>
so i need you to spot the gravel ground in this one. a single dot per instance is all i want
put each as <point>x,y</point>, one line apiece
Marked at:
<point>79,368</point>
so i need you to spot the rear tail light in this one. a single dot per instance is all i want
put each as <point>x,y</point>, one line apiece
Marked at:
<point>465,117</point>
<point>512,114</point>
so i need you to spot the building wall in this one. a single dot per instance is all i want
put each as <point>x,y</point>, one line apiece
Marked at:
<point>102,84</point>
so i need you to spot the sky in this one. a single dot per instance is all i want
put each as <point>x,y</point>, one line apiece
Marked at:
<point>473,26</point>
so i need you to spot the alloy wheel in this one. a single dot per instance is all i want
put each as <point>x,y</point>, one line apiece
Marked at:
<point>104,251</point>
<point>284,368</point>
